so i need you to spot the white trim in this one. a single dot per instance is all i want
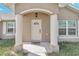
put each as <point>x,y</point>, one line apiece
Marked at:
<point>13,23</point>
<point>9,34</point>
<point>67,35</point>
<point>19,30</point>
<point>63,4</point>
<point>73,6</point>
<point>68,39</point>
<point>67,28</point>
<point>53,30</point>
<point>37,10</point>
<point>78,28</point>
<point>4,27</point>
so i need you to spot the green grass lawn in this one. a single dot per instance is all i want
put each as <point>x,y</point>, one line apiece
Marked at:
<point>67,49</point>
<point>6,48</point>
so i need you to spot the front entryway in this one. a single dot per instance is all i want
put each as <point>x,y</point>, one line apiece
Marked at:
<point>42,28</point>
<point>36,30</point>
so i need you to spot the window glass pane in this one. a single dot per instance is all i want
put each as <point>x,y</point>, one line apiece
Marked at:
<point>71,23</point>
<point>11,27</point>
<point>62,23</point>
<point>14,25</point>
<point>62,31</point>
<point>14,29</point>
<point>10,30</point>
<point>71,31</point>
<point>10,24</point>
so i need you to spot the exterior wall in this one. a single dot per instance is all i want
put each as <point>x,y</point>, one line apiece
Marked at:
<point>67,14</point>
<point>5,18</point>
<point>19,31</point>
<point>1,29</point>
<point>25,20</point>
<point>45,26</point>
<point>63,14</point>
<point>20,7</point>
<point>5,36</point>
<point>53,7</point>
<point>8,36</point>
<point>68,39</point>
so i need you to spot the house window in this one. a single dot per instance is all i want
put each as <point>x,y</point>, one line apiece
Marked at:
<point>62,27</point>
<point>10,28</point>
<point>72,27</point>
<point>67,27</point>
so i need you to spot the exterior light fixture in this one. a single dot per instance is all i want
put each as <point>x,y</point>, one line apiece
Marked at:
<point>36,15</point>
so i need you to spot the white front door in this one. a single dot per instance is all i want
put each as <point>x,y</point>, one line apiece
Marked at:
<point>36,30</point>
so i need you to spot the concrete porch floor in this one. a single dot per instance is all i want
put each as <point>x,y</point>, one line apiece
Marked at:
<point>36,49</point>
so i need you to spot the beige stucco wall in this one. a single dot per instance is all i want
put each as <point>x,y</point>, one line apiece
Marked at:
<point>1,29</point>
<point>63,13</point>
<point>67,14</point>
<point>53,7</point>
<point>45,26</point>
<point>6,17</point>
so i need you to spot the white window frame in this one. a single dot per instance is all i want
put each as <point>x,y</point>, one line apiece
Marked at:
<point>13,33</point>
<point>61,28</point>
<point>67,29</point>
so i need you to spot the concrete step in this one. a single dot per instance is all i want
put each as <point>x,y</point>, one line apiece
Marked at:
<point>34,50</point>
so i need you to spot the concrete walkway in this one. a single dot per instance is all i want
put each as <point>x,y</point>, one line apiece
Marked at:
<point>34,50</point>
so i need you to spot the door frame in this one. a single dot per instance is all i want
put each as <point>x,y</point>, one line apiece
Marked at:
<point>39,29</point>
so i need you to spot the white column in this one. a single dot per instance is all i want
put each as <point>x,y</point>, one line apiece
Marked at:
<point>4,28</point>
<point>54,31</point>
<point>18,36</point>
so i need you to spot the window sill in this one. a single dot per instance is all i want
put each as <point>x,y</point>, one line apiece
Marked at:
<point>68,36</point>
<point>10,34</point>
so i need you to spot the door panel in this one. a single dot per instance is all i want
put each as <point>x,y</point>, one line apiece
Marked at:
<point>36,30</point>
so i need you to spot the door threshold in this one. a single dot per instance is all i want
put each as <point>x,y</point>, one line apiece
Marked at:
<point>37,43</point>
